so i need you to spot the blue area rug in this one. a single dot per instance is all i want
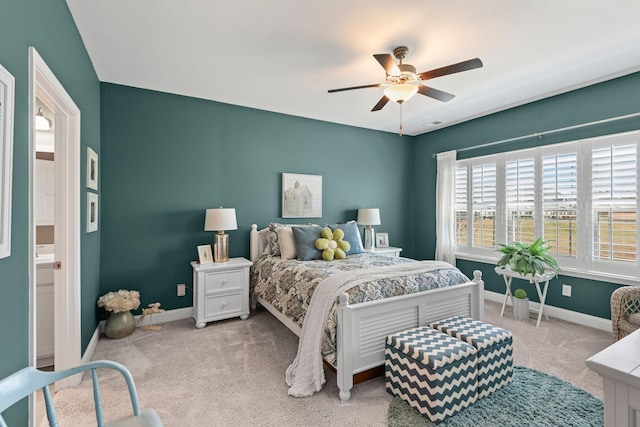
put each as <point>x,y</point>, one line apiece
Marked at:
<point>532,399</point>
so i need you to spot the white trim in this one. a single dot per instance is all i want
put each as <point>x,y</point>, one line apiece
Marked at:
<point>167,316</point>
<point>91,348</point>
<point>558,313</point>
<point>6,160</point>
<point>44,84</point>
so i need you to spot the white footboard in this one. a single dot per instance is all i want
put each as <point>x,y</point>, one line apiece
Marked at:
<point>362,328</point>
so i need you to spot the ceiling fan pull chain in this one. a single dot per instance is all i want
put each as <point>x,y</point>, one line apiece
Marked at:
<point>400,119</point>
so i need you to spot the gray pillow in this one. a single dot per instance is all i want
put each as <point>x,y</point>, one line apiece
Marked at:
<point>305,241</point>
<point>351,235</point>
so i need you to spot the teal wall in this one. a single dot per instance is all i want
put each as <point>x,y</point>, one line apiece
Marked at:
<point>166,158</point>
<point>48,26</point>
<point>609,99</point>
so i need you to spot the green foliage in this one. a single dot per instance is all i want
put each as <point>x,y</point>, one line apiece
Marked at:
<point>528,259</point>
<point>520,293</point>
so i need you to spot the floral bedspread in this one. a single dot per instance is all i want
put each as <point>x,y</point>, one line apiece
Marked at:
<point>289,284</point>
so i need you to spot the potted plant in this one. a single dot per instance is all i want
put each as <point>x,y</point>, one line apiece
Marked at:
<point>521,305</point>
<point>528,259</point>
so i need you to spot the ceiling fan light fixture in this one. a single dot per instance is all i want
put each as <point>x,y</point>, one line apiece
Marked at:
<point>401,92</point>
<point>42,123</point>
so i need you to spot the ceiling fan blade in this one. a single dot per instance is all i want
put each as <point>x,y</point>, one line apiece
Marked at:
<point>387,63</point>
<point>435,93</point>
<point>354,87</point>
<point>451,69</point>
<point>383,101</point>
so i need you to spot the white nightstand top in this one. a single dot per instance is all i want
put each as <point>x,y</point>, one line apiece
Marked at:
<point>388,250</point>
<point>231,264</point>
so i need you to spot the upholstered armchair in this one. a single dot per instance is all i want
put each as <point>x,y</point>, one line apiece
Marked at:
<point>624,302</point>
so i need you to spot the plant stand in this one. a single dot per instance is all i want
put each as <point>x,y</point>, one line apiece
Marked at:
<point>508,275</point>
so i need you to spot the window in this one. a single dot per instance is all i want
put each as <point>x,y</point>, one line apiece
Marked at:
<point>581,196</point>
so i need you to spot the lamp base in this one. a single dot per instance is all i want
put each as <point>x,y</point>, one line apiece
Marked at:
<point>221,248</point>
<point>369,238</point>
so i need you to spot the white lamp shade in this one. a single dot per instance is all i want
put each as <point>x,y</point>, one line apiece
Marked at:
<point>400,92</point>
<point>42,123</point>
<point>220,219</point>
<point>369,216</point>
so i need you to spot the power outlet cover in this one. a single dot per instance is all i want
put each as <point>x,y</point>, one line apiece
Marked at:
<point>181,290</point>
<point>566,290</point>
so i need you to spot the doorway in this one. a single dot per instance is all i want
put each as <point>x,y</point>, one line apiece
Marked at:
<point>44,86</point>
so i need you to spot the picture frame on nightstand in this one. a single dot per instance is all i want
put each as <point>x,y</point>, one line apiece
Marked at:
<point>382,240</point>
<point>204,254</point>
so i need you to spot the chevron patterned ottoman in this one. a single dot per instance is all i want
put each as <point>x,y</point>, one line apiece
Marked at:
<point>495,350</point>
<point>431,371</point>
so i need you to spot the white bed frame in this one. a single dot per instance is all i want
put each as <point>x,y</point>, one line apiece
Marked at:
<point>362,328</point>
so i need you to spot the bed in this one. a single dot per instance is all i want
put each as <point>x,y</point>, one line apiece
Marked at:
<point>353,339</point>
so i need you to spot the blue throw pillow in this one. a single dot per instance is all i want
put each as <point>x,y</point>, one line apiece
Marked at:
<point>351,235</point>
<point>305,241</point>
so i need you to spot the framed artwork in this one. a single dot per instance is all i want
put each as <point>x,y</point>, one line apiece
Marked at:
<point>92,212</point>
<point>301,196</point>
<point>7,94</point>
<point>204,254</point>
<point>92,169</point>
<point>382,240</point>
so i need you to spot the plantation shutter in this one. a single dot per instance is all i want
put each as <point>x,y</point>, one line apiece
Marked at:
<point>461,206</point>
<point>520,200</point>
<point>614,203</point>
<point>483,204</point>
<point>560,202</point>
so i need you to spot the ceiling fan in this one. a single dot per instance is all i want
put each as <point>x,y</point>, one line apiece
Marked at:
<point>402,81</point>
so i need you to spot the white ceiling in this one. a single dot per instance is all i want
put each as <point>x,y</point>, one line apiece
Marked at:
<point>283,55</point>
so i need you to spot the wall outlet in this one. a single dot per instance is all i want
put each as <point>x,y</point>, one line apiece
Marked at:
<point>566,290</point>
<point>181,290</point>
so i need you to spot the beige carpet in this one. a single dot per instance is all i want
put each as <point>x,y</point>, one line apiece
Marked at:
<point>231,373</point>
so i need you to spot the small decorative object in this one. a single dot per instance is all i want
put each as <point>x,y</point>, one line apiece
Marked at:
<point>92,169</point>
<point>219,220</point>
<point>204,254</point>
<point>120,322</point>
<point>382,240</point>
<point>7,94</point>
<point>369,217</point>
<point>521,305</point>
<point>528,259</point>
<point>153,308</point>
<point>92,212</point>
<point>332,244</point>
<point>301,196</point>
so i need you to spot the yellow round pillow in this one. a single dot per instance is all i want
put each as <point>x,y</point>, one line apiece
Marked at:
<point>332,245</point>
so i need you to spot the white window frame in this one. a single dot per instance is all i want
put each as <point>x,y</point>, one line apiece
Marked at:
<point>584,264</point>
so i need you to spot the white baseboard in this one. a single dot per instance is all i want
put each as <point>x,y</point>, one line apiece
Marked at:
<point>559,313</point>
<point>88,353</point>
<point>166,316</point>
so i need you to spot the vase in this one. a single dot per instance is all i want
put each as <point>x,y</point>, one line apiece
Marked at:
<point>521,309</point>
<point>119,325</point>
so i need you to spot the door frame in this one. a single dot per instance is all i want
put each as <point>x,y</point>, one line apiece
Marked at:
<point>67,347</point>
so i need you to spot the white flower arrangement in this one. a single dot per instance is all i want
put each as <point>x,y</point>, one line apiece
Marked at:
<point>120,301</point>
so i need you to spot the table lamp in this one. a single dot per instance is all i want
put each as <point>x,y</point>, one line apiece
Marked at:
<point>369,217</point>
<point>220,219</point>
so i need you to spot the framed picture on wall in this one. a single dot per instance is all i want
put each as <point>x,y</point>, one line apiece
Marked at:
<point>382,240</point>
<point>301,196</point>
<point>92,212</point>
<point>92,169</point>
<point>205,255</point>
<point>7,93</point>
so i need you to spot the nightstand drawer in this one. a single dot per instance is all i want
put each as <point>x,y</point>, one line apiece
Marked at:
<point>216,281</point>
<point>223,304</point>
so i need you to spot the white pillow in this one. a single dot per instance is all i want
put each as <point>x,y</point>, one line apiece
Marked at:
<point>264,234</point>
<point>287,243</point>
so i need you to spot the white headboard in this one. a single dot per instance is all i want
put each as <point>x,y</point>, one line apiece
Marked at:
<point>256,243</point>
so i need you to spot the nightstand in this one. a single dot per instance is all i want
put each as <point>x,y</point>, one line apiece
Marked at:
<point>220,290</point>
<point>390,251</point>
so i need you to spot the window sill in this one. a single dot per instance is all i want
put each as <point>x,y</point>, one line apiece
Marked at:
<point>569,272</point>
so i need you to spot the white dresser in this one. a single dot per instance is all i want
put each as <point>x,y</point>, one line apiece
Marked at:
<point>619,367</point>
<point>220,290</point>
<point>389,251</point>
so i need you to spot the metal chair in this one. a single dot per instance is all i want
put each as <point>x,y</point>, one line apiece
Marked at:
<point>624,302</point>
<point>28,380</point>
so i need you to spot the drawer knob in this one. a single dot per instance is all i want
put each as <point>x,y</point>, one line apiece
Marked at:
<point>224,282</point>
<point>224,304</point>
